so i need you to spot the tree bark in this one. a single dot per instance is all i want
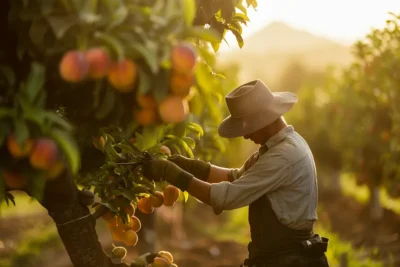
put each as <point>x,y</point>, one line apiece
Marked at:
<point>75,224</point>
<point>376,210</point>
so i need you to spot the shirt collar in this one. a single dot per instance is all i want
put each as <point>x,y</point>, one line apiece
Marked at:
<point>279,136</point>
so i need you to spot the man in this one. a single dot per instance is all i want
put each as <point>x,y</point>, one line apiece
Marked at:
<point>278,182</point>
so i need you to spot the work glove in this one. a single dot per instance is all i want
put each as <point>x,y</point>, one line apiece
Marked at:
<point>164,170</point>
<point>198,168</point>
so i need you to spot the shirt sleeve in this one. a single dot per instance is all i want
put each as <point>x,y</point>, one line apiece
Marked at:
<point>270,172</point>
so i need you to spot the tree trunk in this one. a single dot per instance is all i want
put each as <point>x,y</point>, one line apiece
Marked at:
<point>376,210</point>
<point>75,224</point>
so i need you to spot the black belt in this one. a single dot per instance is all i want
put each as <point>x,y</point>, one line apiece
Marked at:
<point>313,247</point>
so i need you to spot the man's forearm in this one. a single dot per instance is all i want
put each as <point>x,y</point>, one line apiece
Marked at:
<point>218,174</point>
<point>200,190</point>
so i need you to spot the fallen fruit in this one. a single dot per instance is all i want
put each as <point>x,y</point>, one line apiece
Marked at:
<point>173,109</point>
<point>122,75</point>
<point>73,66</point>
<point>171,195</point>
<point>16,150</point>
<point>119,252</point>
<point>157,199</point>
<point>130,238</point>
<point>145,206</point>
<point>98,61</point>
<point>44,154</point>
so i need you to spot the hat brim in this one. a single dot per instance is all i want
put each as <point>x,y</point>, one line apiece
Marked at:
<point>235,127</point>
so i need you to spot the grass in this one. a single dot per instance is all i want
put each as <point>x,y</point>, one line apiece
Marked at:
<point>361,193</point>
<point>236,229</point>
<point>25,205</point>
<point>29,251</point>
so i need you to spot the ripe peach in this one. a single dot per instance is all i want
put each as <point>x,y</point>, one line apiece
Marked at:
<point>166,150</point>
<point>124,226</point>
<point>183,57</point>
<point>122,75</point>
<point>98,61</point>
<point>146,101</point>
<point>118,234</point>
<point>160,262</point>
<point>136,224</point>
<point>14,180</point>
<point>111,221</point>
<point>145,116</point>
<point>16,150</point>
<point>74,66</point>
<point>180,83</point>
<point>145,206</point>
<point>157,199</point>
<point>44,154</point>
<point>171,195</point>
<point>167,256</point>
<point>108,216</point>
<point>130,238</point>
<point>173,109</point>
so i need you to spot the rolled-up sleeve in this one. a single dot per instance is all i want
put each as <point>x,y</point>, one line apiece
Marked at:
<point>270,172</point>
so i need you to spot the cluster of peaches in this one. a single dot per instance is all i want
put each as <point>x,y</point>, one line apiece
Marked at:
<point>162,258</point>
<point>43,154</point>
<point>95,64</point>
<point>125,231</point>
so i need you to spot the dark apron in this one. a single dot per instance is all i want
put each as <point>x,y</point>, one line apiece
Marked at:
<point>272,241</point>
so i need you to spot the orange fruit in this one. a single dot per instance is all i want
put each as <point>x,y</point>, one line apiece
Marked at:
<point>130,238</point>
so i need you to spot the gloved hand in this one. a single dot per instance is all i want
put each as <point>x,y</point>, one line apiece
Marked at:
<point>164,170</point>
<point>198,168</point>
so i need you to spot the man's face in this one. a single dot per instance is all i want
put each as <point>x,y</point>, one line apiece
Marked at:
<point>258,137</point>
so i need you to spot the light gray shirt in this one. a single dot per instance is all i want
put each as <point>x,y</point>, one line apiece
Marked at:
<point>285,173</point>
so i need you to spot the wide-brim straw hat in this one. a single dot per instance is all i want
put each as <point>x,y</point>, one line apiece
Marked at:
<point>253,106</point>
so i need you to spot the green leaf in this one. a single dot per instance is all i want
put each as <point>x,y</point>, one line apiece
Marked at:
<point>8,75</point>
<point>139,141</point>
<point>36,185</point>
<point>107,104</point>
<point>189,11</point>
<point>6,112</point>
<point>151,136</point>
<point>209,34</point>
<point>21,131</point>
<point>70,148</point>
<point>37,31</point>
<point>190,142</point>
<point>196,128</point>
<point>60,24</point>
<point>59,121</point>
<point>149,54</point>
<point>35,82</point>
<point>185,196</point>
<point>118,17</point>
<point>144,82</point>
<point>239,38</point>
<point>9,197</point>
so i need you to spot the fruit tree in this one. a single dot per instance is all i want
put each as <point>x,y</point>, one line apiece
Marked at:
<point>89,90</point>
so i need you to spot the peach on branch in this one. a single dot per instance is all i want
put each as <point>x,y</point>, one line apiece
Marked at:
<point>180,83</point>
<point>146,101</point>
<point>44,154</point>
<point>130,210</point>
<point>171,195</point>
<point>166,255</point>
<point>98,61</point>
<point>146,116</point>
<point>165,150</point>
<point>130,238</point>
<point>99,142</point>
<point>74,66</point>
<point>136,224</point>
<point>157,199</point>
<point>160,262</point>
<point>122,75</point>
<point>145,206</point>
<point>14,180</point>
<point>16,150</point>
<point>183,57</point>
<point>119,252</point>
<point>173,109</point>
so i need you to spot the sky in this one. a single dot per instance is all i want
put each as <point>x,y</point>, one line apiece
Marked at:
<point>341,20</point>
